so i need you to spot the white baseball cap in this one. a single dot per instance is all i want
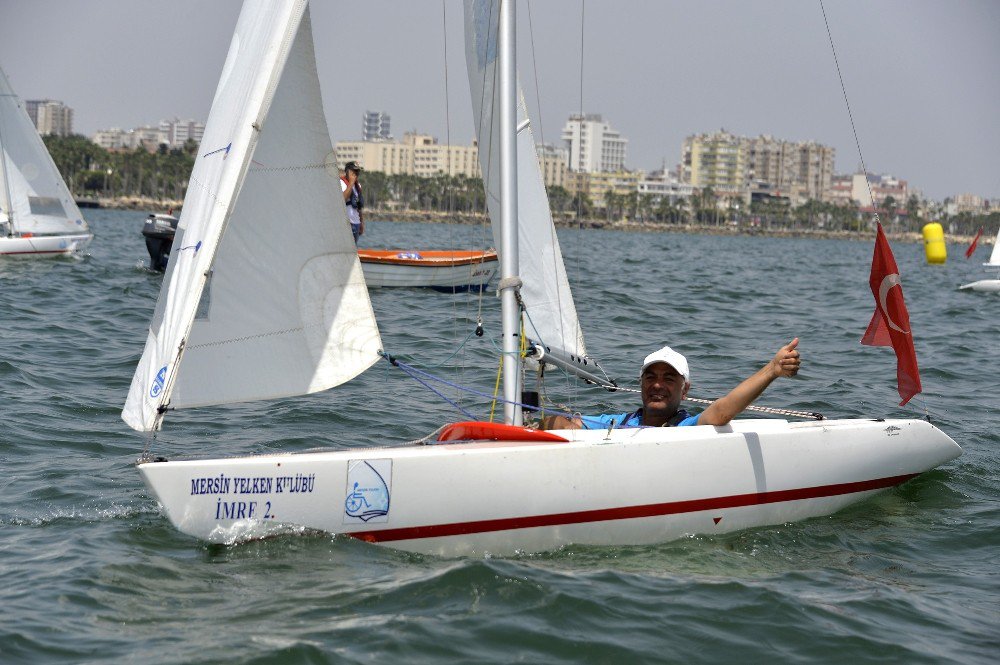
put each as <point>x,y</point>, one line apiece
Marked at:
<point>672,358</point>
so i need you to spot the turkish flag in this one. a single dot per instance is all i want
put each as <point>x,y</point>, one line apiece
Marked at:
<point>972,247</point>
<point>890,325</point>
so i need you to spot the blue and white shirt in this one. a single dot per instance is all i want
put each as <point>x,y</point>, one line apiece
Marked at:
<point>634,419</point>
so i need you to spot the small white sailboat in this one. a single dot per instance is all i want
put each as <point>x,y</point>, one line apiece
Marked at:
<point>481,487</point>
<point>989,285</point>
<point>38,216</point>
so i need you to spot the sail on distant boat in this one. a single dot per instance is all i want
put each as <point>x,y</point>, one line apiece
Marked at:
<point>38,216</point>
<point>972,245</point>
<point>242,318</point>
<point>988,285</point>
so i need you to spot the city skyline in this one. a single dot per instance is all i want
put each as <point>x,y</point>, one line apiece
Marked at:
<point>923,78</point>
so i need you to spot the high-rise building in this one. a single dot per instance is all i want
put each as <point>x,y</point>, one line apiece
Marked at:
<point>592,145</point>
<point>375,126</point>
<point>50,116</point>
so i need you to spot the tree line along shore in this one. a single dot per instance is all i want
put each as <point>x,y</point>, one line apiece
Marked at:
<point>157,181</point>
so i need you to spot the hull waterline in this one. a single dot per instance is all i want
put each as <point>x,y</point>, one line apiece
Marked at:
<point>477,498</point>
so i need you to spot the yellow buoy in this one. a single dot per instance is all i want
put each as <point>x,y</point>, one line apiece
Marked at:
<point>934,245</point>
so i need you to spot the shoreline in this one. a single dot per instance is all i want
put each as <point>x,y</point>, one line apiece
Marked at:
<point>435,217</point>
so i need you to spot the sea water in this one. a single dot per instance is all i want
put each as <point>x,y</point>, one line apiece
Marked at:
<point>92,572</point>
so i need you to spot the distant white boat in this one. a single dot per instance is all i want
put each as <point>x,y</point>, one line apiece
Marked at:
<point>244,317</point>
<point>988,285</point>
<point>450,270</point>
<point>38,217</point>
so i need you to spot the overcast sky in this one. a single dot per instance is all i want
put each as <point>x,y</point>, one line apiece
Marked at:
<point>922,76</point>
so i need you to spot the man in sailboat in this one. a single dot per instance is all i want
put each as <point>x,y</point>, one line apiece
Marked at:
<point>665,380</point>
<point>355,203</point>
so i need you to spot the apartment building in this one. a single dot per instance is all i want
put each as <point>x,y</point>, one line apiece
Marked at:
<point>881,187</point>
<point>799,170</point>
<point>854,190</point>
<point>971,203</point>
<point>592,145</point>
<point>175,133</point>
<point>664,185</point>
<point>597,185</point>
<point>718,160</point>
<point>552,162</point>
<point>172,133</point>
<point>417,154</point>
<point>50,116</point>
<point>422,155</point>
<point>148,138</point>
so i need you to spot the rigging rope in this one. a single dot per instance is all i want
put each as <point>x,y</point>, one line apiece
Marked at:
<point>857,141</point>
<point>414,372</point>
<point>850,115</point>
<point>753,407</point>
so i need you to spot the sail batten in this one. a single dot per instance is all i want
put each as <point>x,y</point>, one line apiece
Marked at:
<point>264,285</point>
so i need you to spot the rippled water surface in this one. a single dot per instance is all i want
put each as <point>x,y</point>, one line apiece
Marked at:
<point>93,573</point>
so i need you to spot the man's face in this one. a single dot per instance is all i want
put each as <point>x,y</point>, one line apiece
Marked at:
<point>663,388</point>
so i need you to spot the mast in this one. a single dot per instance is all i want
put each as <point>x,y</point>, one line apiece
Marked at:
<point>8,197</point>
<point>510,281</point>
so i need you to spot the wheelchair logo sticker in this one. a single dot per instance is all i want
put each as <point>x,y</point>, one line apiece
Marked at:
<point>158,382</point>
<point>368,490</point>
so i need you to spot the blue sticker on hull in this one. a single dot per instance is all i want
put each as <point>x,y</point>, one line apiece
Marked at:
<point>368,491</point>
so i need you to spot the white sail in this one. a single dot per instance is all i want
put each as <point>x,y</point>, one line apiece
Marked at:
<point>551,312</point>
<point>264,295</point>
<point>995,256</point>
<point>33,196</point>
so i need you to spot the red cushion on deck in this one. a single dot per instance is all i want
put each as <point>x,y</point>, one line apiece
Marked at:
<point>477,431</point>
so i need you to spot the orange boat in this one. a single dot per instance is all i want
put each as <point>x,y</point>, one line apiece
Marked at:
<point>450,270</point>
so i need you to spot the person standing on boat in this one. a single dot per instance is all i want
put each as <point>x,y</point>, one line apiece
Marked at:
<point>665,380</point>
<point>355,202</point>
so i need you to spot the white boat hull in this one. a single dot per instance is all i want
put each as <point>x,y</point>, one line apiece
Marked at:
<point>44,245</point>
<point>988,285</point>
<point>473,499</point>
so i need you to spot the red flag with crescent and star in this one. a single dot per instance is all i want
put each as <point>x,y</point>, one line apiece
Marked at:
<point>972,247</point>
<point>890,325</point>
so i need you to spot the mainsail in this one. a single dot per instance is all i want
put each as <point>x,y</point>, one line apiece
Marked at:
<point>550,311</point>
<point>264,295</point>
<point>995,256</point>
<point>33,196</point>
